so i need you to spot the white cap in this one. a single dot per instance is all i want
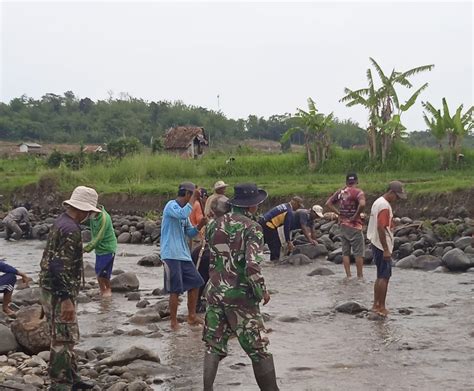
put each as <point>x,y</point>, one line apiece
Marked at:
<point>220,185</point>
<point>84,198</point>
<point>318,210</point>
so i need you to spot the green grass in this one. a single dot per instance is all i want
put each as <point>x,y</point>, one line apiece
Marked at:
<point>279,174</point>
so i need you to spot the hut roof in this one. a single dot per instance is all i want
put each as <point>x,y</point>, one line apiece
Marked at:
<point>183,136</point>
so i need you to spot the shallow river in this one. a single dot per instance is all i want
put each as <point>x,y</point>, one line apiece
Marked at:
<point>430,349</point>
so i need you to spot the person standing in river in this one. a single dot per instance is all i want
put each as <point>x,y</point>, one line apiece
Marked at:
<point>235,288</point>
<point>7,284</point>
<point>351,202</point>
<point>60,279</point>
<point>180,274</point>
<point>104,242</point>
<point>380,234</point>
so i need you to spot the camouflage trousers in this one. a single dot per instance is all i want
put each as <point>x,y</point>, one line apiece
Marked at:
<point>62,363</point>
<point>244,322</point>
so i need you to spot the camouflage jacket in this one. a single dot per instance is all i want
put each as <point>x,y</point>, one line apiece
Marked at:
<point>61,265</point>
<point>236,244</point>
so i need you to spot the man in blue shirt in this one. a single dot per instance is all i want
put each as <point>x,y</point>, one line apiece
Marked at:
<point>180,273</point>
<point>7,284</point>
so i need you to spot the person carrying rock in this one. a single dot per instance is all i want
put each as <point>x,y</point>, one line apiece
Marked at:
<point>235,288</point>
<point>279,216</point>
<point>13,220</point>
<point>220,188</point>
<point>351,202</point>
<point>60,279</point>
<point>7,284</point>
<point>104,242</point>
<point>180,274</point>
<point>380,234</point>
<point>304,219</point>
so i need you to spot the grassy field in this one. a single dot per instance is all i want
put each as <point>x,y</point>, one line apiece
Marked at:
<point>280,174</point>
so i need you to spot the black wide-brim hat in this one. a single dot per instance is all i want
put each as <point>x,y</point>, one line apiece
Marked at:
<point>247,194</point>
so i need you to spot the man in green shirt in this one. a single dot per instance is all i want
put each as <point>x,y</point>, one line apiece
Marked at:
<point>104,243</point>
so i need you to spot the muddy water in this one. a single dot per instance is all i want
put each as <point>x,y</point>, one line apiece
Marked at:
<point>429,349</point>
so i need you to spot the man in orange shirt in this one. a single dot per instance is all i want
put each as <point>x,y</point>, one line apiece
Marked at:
<point>195,217</point>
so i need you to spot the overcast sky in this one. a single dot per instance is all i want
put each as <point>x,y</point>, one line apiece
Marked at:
<point>261,58</point>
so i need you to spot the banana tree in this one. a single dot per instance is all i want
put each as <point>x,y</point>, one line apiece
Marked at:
<point>435,123</point>
<point>315,128</point>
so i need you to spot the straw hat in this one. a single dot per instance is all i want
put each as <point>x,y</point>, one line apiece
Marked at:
<point>318,209</point>
<point>84,198</point>
<point>220,185</point>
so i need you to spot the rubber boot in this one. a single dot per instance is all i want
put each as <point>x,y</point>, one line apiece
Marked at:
<point>264,371</point>
<point>211,363</point>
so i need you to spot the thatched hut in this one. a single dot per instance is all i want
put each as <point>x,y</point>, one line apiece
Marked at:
<point>186,141</point>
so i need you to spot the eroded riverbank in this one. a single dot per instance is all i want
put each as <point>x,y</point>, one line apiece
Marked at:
<point>315,348</point>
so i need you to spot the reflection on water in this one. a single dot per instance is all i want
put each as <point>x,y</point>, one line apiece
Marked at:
<point>314,348</point>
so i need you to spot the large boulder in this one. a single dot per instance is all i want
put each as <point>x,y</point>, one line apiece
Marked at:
<point>145,316</point>
<point>150,260</point>
<point>321,271</point>
<point>7,340</point>
<point>30,330</point>
<point>127,356</point>
<point>423,262</point>
<point>149,227</point>
<point>39,231</point>
<point>124,237</point>
<point>27,296</point>
<point>457,261</point>
<point>296,260</point>
<point>405,249</point>
<point>312,251</point>
<point>333,254</point>
<point>136,237</point>
<point>463,242</point>
<point>125,282</point>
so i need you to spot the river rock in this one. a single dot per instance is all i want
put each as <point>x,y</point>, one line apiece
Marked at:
<point>133,296</point>
<point>327,226</point>
<point>39,231</point>
<point>136,237</point>
<point>326,240</point>
<point>89,270</point>
<point>143,303</point>
<point>31,331</point>
<point>297,260</point>
<point>124,228</point>
<point>27,296</point>
<point>149,368</point>
<point>124,237</point>
<point>149,227</point>
<point>333,254</point>
<point>138,385</point>
<point>335,231</point>
<point>406,220</point>
<point>125,282</point>
<point>131,354</point>
<point>368,256</point>
<point>418,252</point>
<point>311,251</point>
<point>321,271</point>
<point>457,260</point>
<point>461,212</point>
<point>162,307</point>
<point>7,340</point>
<point>423,262</point>
<point>350,307</point>
<point>405,249</point>
<point>34,380</point>
<point>145,315</point>
<point>441,269</point>
<point>469,250</point>
<point>463,242</point>
<point>150,260</point>
<point>119,386</point>
<point>446,244</point>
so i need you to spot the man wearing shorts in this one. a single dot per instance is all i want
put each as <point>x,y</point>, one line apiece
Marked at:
<point>380,234</point>
<point>7,284</point>
<point>351,202</point>
<point>104,242</point>
<point>180,273</point>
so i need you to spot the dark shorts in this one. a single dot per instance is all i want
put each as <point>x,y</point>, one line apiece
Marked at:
<point>181,276</point>
<point>104,265</point>
<point>384,268</point>
<point>7,282</point>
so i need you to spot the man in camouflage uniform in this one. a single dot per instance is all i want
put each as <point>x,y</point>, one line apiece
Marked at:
<point>60,279</point>
<point>235,288</point>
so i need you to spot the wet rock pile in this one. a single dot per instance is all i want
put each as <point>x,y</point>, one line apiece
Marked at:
<point>439,245</point>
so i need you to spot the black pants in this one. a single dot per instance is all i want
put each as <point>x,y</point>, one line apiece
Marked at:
<point>271,237</point>
<point>203,266</point>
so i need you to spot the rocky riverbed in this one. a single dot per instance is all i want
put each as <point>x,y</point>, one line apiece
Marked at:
<point>320,332</point>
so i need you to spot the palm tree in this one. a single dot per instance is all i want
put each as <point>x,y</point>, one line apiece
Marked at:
<point>382,103</point>
<point>314,126</point>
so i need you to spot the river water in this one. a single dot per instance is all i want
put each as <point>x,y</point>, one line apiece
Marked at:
<point>314,348</point>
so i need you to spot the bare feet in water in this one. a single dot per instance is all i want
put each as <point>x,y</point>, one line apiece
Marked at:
<point>174,326</point>
<point>382,311</point>
<point>194,320</point>
<point>107,293</point>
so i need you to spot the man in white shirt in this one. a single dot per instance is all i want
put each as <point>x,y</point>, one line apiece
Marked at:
<point>380,234</point>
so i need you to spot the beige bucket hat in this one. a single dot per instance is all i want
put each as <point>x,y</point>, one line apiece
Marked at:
<point>84,198</point>
<point>220,185</point>
<point>318,209</point>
